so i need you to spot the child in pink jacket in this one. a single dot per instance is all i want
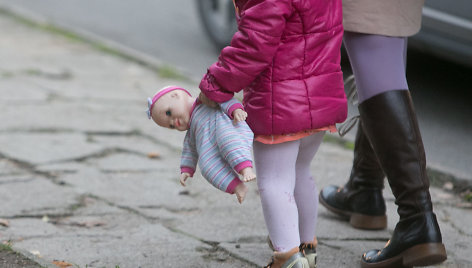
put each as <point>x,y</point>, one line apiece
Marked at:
<point>286,57</point>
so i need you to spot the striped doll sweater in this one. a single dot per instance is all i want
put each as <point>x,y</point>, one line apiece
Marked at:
<point>220,147</point>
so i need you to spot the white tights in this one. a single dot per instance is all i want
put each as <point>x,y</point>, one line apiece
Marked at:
<point>288,192</point>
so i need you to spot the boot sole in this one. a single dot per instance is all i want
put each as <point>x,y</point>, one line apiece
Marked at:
<point>357,220</point>
<point>419,255</point>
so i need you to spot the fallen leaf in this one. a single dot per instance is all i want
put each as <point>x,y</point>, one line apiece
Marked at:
<point>4,222</point>
<point>62,264</point>
<point>89,224</point>
<point>153,155</point>
<point>464,205</point>
<point>448,186</point>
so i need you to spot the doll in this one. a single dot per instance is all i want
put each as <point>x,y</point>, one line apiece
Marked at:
<point>222,148</point>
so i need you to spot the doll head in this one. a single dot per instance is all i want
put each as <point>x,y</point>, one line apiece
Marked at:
<point>170,108</point>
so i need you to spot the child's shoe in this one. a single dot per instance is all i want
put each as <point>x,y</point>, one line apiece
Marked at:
<point>291,259</point>
<point>309,251</point>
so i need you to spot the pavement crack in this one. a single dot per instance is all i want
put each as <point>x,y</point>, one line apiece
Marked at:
<point>453,225</point>
<point>250,239</point>
<point>15,181</point>
<point>99,154</point>
<point>46,217</point>
<point>38,130</point>
<point>171,209</point>
<point>31,169</point>
<point>368,239</point>
<point>218,256</point>
<point>159,142</point>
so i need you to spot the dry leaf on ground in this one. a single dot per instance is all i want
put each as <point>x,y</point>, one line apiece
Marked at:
<point>153,155</point>
<point>62,264</point>
<point>4,222</point>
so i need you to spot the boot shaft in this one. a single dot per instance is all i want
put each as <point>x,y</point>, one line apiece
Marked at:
<point>390,124</point>
<point>366,170</point>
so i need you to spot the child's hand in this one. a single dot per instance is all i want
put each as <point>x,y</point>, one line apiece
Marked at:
<point>239,115</point>
<point>183,177</point>
<point>205,100</point>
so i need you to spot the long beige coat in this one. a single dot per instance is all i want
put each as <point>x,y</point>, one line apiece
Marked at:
<point>384,17</point>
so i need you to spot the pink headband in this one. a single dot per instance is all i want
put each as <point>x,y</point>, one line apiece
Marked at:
<point>159,94</point>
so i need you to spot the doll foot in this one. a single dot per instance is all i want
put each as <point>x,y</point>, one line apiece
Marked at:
<point>240,192</point>
<point>248,174</point>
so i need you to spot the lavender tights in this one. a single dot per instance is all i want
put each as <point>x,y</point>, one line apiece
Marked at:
<point>378,63</point>
<point>288,192</point>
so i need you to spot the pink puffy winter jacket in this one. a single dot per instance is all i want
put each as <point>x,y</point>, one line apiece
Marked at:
<point>286,57</point>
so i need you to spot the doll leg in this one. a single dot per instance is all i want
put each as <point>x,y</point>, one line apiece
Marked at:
<point>276,184</point>
<point>235,144</point>
<point>219,174</point>
<point>306,193</point>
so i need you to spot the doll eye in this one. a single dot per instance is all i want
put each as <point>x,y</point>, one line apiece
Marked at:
<point>168,113</point>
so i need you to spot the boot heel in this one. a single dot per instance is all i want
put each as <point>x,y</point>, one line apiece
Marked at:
<point>425,255</point>
<point>362,221</point>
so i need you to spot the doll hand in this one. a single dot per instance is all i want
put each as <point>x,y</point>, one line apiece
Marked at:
<point>183,177</point>
<point>239,115</point>
<point>205,100</point>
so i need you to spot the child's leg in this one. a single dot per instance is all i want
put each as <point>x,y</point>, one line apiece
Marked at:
<point>276,184</point>
<point>378,63</point>
<point>306,193</point>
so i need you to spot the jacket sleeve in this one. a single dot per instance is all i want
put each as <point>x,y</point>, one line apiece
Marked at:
<point>251,50</point>
<point>189,158</point>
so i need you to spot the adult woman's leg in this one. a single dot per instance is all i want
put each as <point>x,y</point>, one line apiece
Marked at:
<point>378,63</point>
<point>389,122</point>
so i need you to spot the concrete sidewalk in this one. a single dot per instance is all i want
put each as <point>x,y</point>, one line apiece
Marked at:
<point>87,179</point>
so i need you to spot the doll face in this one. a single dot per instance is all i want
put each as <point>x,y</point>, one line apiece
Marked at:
<point>172,111</point>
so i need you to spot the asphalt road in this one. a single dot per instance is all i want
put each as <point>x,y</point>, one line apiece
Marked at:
<point>170,31</point>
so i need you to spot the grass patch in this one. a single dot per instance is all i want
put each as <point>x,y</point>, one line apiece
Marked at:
<point>467,195</point>
<point>6,246</point>
<point>164,71</point>
<point>6,74</point>
<point>169,72</point>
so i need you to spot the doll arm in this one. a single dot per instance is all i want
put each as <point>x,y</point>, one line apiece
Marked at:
<point>183,178</point>
<point>239,115</point>
<point>251,51</point>
<point>189,158</point>
<point>234,109</point>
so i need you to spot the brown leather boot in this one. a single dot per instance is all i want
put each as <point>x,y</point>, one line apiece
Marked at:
<point>390,124</point>
<point>360,200</point>
<point>290,259</point>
